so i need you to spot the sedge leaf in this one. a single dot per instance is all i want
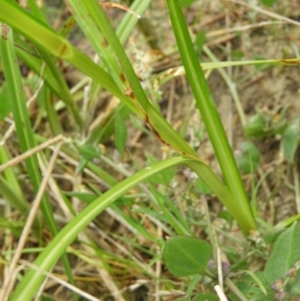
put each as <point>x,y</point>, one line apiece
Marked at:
<point>248,157</point>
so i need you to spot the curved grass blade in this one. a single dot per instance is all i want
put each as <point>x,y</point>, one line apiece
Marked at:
<point>130,20</point>
<point>31,282</point>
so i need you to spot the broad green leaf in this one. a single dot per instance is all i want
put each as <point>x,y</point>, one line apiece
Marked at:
<point>290,141</point>
<point>120,134</point>
<point>186,256</point>
<point>248,157</point>
<point>293,286</point>
<point>285,254</point>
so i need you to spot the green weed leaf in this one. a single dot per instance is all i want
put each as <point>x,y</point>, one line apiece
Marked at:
<point>255,127</point>
<point>186,256</point>
<point>252,290</point>
<point>290,141</point>
<point>285,254</point>
<point>262,124</point>
<point>248,158</point>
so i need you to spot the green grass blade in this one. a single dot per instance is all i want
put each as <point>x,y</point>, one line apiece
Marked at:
<point>43,36</point>
<point>153,118</point>
<point>21,117</point>
<point>22,122</point>
<point>172,220</point>
<point>10,187</point>
<point>12,12</point>
<point>45,261</point>
<point>168,74</point>
<point>36,64</point>
<point>50,62</point>
<point>67,97</point>
<point>12,196</point>
<point>134,224</point>
<point>130,20</point>
<point>52,116</point>
<point>210,116</point>
<point>95,37</point>
<point>231,86</point>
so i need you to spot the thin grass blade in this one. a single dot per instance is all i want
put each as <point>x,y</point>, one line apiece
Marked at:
<point>32,280</point>
<point>211,119</point>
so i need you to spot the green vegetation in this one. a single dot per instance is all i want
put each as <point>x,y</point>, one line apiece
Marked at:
<point>141,199</point>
